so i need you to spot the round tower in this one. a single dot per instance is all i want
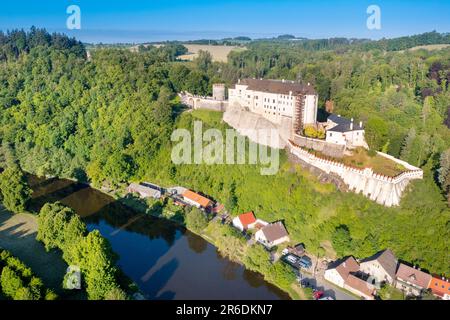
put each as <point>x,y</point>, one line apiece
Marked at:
<point>219,91</point>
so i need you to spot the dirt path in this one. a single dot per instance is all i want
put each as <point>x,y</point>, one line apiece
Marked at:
<point>18,235</point>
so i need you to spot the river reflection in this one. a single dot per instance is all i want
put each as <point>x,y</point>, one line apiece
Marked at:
<point>163,259</point>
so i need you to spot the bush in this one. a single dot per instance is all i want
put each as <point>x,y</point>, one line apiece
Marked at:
<point>17,280</point>
<point>372,153</point>
<point>116,294</point>
<point>311,132</point>
<point>196,220</point>
<point>10,282</point>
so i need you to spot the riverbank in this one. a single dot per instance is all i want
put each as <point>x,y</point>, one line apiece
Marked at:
<point>18,235</point>
<point>212,234</point>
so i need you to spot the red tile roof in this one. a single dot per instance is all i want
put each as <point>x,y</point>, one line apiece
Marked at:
<point>360,285</point>
<point>204,202</point>
<point>347,266</point>
<point>414,276</point>
<point>247,218</point>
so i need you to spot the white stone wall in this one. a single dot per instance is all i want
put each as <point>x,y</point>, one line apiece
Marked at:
<point>384,190</point>
<point>198,102</point>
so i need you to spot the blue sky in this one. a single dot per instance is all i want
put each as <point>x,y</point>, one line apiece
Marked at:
<point>155,20</point>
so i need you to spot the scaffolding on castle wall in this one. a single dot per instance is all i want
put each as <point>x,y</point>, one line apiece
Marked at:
<point>299,113</point>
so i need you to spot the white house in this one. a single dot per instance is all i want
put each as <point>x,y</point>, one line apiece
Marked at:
<point>248,221</point>
<point>345,274</point>
<point>272,235</point>
<point>382,266</point>
<point>196,200</point>
<point>343,131</point>
<point>275,99</point>
<point>411,281</point>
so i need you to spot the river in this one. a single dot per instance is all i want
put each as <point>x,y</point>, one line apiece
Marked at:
<point>165,260</point>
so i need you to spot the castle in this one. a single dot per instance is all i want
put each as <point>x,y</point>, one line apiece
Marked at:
<point>291,108</point>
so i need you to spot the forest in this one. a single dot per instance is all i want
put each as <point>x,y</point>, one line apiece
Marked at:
<point>107,120</point>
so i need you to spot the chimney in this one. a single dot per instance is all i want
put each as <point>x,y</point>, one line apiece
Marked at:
<point>360,124</point>
<point>282,80</point>
<point>239,80</point>
<point>309,84</point>
<point>351,126</point>
<point>290,93</point>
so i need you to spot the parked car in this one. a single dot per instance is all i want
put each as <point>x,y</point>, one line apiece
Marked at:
<point>326,298</point>
<point>318,294</point>
<point>305,262</point>
<point>291,259</point>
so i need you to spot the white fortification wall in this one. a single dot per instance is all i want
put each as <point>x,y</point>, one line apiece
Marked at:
<point>199,102</point>
<point>384,190</point>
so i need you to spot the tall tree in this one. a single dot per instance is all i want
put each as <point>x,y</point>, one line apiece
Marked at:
<point>14,189</point>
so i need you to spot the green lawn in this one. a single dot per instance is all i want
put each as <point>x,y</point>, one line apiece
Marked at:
<point>361,159</point>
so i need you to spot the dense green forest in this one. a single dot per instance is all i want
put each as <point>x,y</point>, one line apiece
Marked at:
<point>108,120</point>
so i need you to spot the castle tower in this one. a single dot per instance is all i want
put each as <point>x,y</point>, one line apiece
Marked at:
<point>219,91</point>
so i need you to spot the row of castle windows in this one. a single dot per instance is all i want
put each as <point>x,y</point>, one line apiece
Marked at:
<point>270,107</point>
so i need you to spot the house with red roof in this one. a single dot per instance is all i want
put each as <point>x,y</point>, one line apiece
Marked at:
<point>196,200</point>
<point>412,281</point>
<point>248,221</point>
<point>440,287</point>
<point>346,274</point>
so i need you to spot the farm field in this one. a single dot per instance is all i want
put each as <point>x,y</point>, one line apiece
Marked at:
<point>219,53</point>
<point>430,47</point>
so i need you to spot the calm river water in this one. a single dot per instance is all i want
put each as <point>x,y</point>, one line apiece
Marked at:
<point>163,259</point>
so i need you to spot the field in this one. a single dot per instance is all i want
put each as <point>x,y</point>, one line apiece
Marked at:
<point>379,164</point>
<point>430,47</point>
<point>219,53</point>
<point>361,159</point>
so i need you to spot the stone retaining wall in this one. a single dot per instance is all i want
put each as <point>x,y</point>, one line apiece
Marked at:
<point>382,189</point>
<point>328,149</point>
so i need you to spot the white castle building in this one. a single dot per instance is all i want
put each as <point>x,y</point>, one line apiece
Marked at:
<point>277,100</point>
<point>290,108</point>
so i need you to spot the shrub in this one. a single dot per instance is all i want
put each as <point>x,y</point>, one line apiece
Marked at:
<point>10,282</point>
<point>196,220</point>
<point>372,153</point>
<point>116,294</point>
<point>311,132</point>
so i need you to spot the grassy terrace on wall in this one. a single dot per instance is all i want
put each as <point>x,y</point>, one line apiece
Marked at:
<point>361,159</point>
